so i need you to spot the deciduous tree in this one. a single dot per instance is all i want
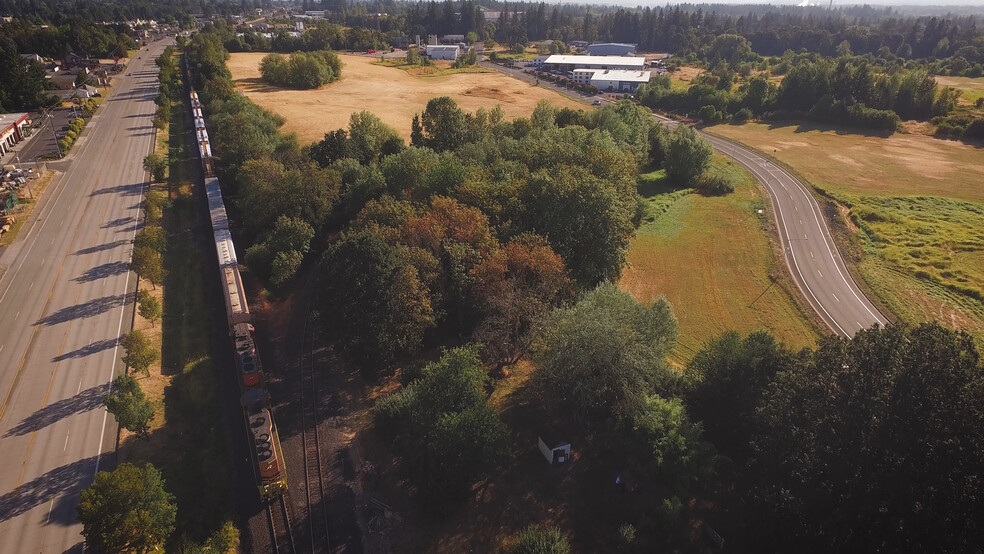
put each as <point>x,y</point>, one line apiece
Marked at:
<point>127,510</point>
<point>129,405</point>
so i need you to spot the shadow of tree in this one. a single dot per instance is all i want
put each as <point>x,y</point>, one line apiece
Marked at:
<point>87,400</point>
<point>132,189</point>
<point>103,271</point>
<point>116,222</point>
<point>88,350</point>
<point>45,488</point>
<point>100,247</point>
<point>85,310</point>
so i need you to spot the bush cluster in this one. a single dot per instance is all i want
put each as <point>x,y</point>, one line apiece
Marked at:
<point>74,130</point>
<point>301,70</point>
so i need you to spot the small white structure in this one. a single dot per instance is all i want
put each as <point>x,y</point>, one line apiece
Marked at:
<point>555,450</point>
<point>442,52</point>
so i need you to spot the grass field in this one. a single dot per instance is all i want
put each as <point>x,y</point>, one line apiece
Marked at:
<point>711,258</point>
<point>918,206</point>
<point>972,88</point>
<point>392,94</point>
<point>847,162</point>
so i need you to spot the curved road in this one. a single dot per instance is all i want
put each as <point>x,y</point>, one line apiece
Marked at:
<point>812,256</point>
<point>816,265</point>
<point>66,295</point>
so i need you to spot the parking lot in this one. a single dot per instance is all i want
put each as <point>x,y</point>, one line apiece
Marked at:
<point>42,140</point>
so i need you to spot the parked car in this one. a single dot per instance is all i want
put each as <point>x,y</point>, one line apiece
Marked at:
<point>597,102</point>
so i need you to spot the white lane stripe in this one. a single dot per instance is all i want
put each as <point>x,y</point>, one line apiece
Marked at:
<point>821,274</point>
<point>825,234</point>
<point>778,211</point>
<point>64,448</point>
<point>835,297</point>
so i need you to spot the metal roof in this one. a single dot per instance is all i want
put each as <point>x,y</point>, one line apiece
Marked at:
<point>623,61</point>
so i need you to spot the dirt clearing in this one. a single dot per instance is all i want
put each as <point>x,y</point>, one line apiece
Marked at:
<point>392,94</point>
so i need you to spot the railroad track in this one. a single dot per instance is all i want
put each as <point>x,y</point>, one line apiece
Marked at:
<point>314,474</point>
<point>280,530</point>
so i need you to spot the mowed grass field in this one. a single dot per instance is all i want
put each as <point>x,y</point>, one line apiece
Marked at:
<point>711,258</point>
<point>393,94</point>
<point>916,204</point>
<point>972,88</point>
<point>844,161</point>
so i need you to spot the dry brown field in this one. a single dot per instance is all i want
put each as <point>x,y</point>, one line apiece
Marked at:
<point>390,93</point>
<point>972,88</point>
<point>898,165</point>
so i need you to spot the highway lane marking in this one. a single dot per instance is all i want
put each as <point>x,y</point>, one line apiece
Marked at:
<point>835,297</point>
<point>811,254</point>
<point>47,392</point>
<point>32,286</point>
<point>64,448</point>
<point>50,506</point>
<point>825,233</point>
<point>78,390</point>
<point>18,314</point>
<point>821,274</point>
<point>802,284</point>
<point>119,329</point>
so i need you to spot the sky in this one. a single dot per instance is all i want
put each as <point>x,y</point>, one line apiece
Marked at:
<point>977,3</point>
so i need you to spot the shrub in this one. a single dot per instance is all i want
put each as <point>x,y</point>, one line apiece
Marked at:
<point>537,540</point>
<point>742,115</point>
<point>715,185</point>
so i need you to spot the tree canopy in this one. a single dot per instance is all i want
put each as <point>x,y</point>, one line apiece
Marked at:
<point>127,510</point>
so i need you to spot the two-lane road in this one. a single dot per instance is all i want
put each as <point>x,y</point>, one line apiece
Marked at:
<point>66,295</point>
<point>810,253</point>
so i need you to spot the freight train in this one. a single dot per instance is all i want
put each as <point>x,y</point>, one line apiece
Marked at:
<point>267,456</point>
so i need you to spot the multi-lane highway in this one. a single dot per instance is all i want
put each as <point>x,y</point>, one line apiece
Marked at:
<point>66,295</point>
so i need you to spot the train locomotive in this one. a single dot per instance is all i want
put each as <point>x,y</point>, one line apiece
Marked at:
<point>267,455</point>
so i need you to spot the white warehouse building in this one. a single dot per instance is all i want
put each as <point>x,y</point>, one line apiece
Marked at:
<point>611,49</point>
<point>442,52</point>
<point>612,80</point>
<point>570,63</point>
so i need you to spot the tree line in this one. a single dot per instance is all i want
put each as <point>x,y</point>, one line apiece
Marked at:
<point>847,91</point>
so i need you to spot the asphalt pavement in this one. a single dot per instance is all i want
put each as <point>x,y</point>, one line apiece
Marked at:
<point>815,263</point>
<point>66,296</point>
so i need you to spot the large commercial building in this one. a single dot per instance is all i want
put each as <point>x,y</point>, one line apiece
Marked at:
<point>11,130</point>
<point>612,80</point>
<point>570,63</point>
<point>611,49</point>
<point>442,52</point>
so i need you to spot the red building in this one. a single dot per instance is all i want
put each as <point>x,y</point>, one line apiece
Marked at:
<point>11,125</point>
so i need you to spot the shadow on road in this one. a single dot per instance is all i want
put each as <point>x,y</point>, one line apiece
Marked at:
<point>132,189</point>
<point>102,271</point>
<point>101,247</point>
<point>116,222</point>
<point>87,400</point>
<point>45,488</point>
<point>85,309</point>
<point>87,350</point>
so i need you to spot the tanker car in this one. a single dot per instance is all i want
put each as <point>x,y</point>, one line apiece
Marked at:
<point>267,455</point>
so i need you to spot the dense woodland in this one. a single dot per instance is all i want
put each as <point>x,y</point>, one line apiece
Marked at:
<point>501,239</point>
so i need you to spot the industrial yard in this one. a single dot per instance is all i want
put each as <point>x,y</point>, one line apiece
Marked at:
<point>390,93</point>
